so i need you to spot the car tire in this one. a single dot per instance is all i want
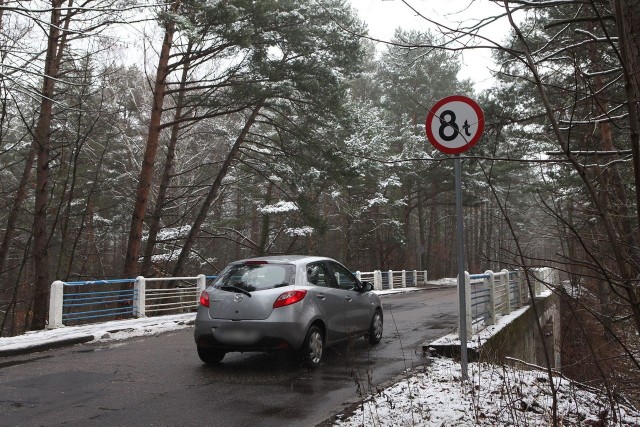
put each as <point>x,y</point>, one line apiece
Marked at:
<point>210,356</point>
<point>313,348</point>
<point>375,329</point>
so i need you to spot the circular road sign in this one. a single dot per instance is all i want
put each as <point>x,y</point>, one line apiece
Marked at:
<point>454,124</point>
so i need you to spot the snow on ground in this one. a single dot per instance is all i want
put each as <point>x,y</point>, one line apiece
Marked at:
<point>444,282</point>
<point>106,331</point>
<point>494,395</point>
<point>480,337</point>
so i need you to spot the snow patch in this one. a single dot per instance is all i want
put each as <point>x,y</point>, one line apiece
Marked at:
<point>173,233</point>
<point>301,231</point>
<point>494,395</point>
<point>279,207</point>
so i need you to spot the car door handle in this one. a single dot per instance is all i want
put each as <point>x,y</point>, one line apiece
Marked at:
<point>321,296</point>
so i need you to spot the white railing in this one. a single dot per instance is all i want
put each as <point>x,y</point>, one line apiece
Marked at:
<point>166,299</point>
<point>107,299</point>
<point>493,294</point>
<point>73,302</point>
<point>393,279</point>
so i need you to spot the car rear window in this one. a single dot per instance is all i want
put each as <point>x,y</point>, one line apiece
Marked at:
<point>256,277</point>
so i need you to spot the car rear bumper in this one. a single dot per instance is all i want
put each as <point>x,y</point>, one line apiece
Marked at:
<point>274,333</point>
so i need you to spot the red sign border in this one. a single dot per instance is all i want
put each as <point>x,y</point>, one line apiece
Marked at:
<point>432,112</point>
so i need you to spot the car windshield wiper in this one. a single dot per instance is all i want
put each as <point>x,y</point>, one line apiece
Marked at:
<point>235,289</point>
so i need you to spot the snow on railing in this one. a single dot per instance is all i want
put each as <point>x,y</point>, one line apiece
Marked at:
<point>393,279</point>
<point>493,294</point>
<point>90,300</point>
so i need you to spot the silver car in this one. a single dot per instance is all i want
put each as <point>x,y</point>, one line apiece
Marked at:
<point>297,303</point>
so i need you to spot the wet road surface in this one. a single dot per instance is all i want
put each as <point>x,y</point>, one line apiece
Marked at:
<point>160,380</point>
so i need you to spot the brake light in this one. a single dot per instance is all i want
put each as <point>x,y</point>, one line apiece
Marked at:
<point>289,298</point>
<point>260,262</point>
<point>204,298</point>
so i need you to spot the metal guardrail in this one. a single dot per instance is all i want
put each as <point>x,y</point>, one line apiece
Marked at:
<point>393,279</point>
<point>494,294</point>
<point>71,302</point>
<point>84,304</point>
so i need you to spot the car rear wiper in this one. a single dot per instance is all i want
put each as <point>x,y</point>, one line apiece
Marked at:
<point>280,285</point>
<point>235,289</point>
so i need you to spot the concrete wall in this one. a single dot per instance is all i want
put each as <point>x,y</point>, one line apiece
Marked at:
<point>521,339</point>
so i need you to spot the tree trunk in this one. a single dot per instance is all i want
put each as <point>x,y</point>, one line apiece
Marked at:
<point>482,234</point>
<point>151,149</point>
<point>15,207</point>
<point>421,244</point>
<point>264,230</point>
<point>214,190</point>
<point>154,226</point>
<point>628,25</point>
<point>63,214</point>
<point>42,137</point>
<point>238,246</point>
<point>432,241</point>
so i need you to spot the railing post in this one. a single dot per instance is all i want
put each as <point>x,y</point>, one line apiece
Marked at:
<point>549,278</point>
<point>415,278</point>
<point>55,305</point>
<point>469,320</point>
<point>201,284</point>
<point>404,278</point>
<point>540,274</point>
<point>390,279</point>
<point>139,302</point>
<point>377,280</point>
<point>358,276</point>
<point>521,293</point>
<point>424,277</point>
<point>537,287</point>
<point>516,288</point>
<point>524,285</point>
<point>491,285</point>
<point>507,286</point>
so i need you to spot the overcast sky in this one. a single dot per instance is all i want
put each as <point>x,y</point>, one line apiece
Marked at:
<point>384,16</point>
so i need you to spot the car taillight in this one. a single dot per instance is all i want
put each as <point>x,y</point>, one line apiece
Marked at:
<point>204,298</point>
<point>289,298</point>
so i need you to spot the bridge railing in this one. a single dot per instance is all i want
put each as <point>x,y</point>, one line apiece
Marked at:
<point>390,279</point>
<point>493,294</point>
<point>85,301</point>
<point>96,300</point>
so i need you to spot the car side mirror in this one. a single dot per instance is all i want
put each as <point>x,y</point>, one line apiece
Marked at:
<point>365,287</point>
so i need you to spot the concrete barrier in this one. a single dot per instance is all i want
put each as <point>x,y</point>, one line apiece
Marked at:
<point>514,336</point>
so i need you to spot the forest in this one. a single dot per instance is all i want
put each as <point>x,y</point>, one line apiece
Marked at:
<point>162,139</point>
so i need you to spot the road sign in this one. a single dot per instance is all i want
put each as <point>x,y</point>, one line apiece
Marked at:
<point>454,124</point>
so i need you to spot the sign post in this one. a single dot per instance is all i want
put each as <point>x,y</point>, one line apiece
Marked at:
<point>454,124</point>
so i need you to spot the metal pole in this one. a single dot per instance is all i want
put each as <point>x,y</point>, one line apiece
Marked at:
<point>461,264</point>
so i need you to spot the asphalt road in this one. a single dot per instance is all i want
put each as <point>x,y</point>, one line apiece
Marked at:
<point>160,380</point>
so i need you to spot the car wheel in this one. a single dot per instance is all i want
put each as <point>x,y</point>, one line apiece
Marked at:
<point>313,348</point>
<point>210,356</point>
<point>375,330</point>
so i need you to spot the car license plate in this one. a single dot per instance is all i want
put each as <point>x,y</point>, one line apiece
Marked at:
<point>235,336</point>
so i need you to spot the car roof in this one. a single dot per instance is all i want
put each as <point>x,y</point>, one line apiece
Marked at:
<point>286,259</point>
